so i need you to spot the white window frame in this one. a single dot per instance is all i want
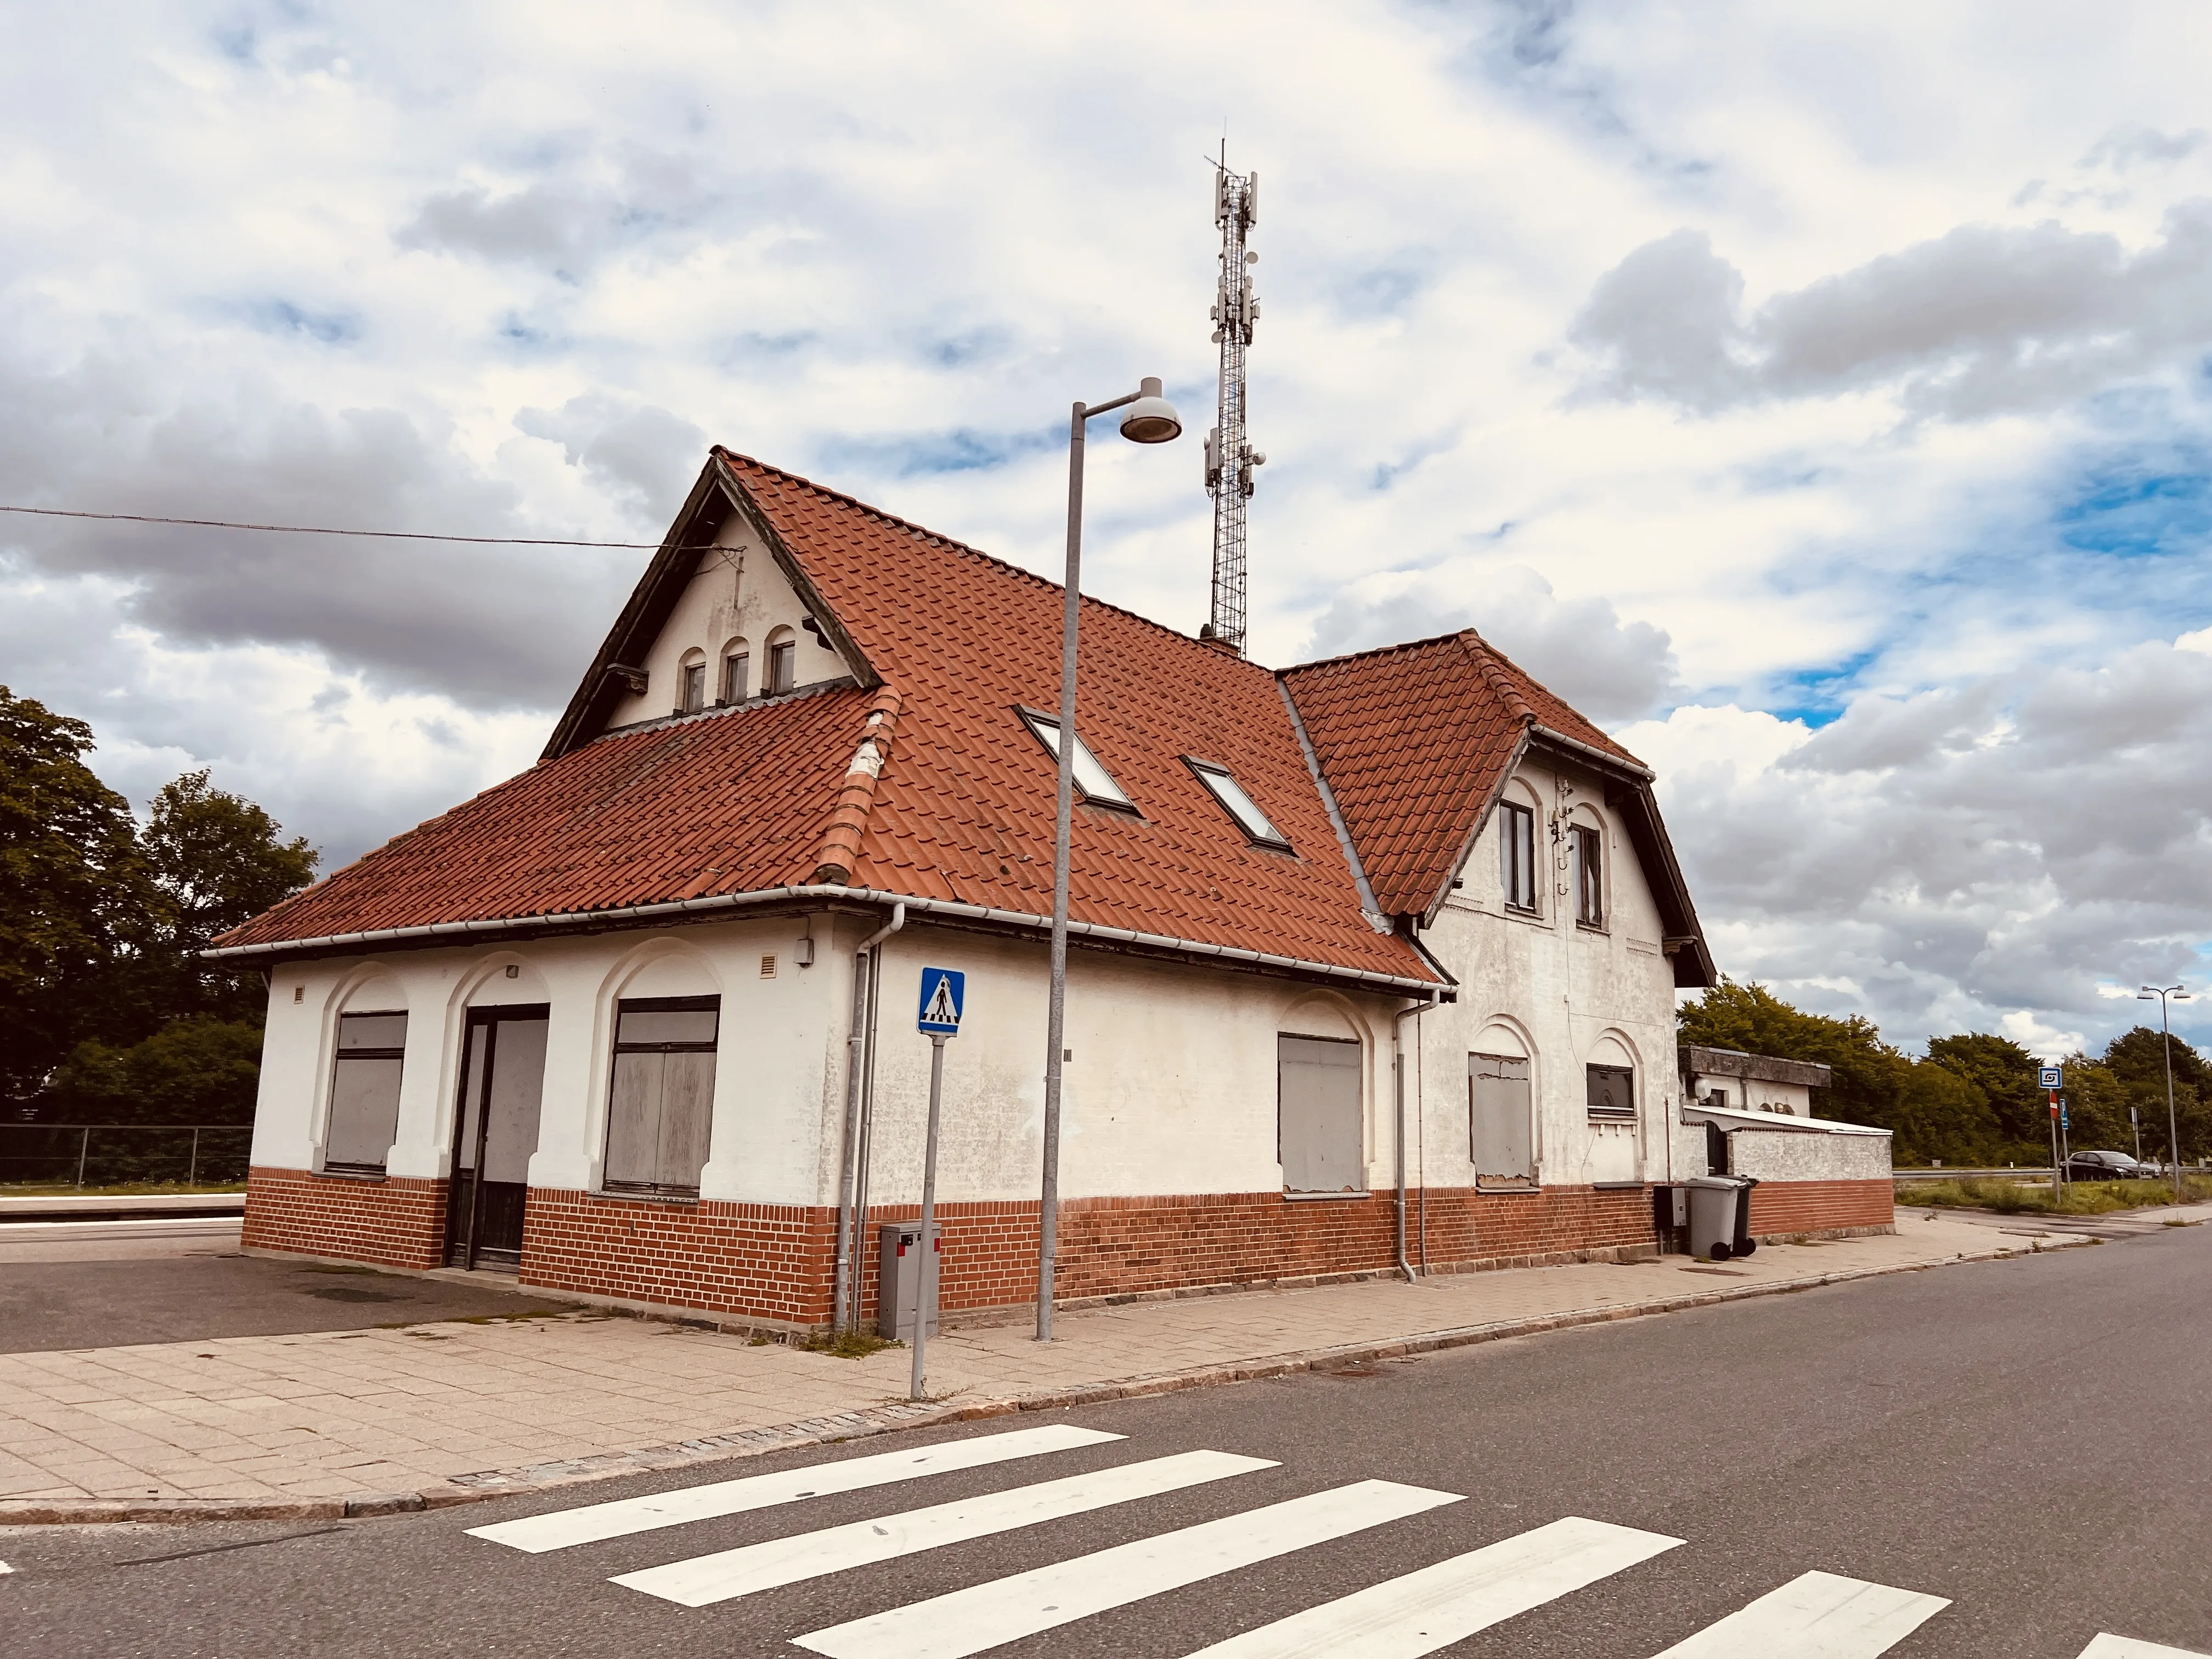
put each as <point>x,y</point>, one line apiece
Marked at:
<point>1598,1113</point>
<point>1586,856</point>
<point>737,672</point>
<point>1093,781</point>
<point>341,1056</point>
<point>1517,833</point>
<point>1235,800</point>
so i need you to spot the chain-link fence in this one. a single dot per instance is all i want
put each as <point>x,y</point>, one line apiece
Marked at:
<point>123,1154</point>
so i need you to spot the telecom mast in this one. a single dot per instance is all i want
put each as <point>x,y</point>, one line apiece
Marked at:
<point>1229,457</point>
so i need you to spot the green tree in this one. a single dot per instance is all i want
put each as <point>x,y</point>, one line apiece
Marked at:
<point>216,860</point>
<point>1933,1110</point>
<point>2007,1074</point>
<point>73,887</point>
<point>194,1070</point>
<point>2137,1061</point>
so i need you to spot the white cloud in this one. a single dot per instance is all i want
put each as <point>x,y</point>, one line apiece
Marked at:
<point>505,270</point>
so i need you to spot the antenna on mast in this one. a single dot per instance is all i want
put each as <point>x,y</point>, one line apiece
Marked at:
<point>1229,457</point>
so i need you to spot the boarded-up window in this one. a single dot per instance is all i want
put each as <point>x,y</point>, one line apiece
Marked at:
<point>663,1094</point>
<point>1501,1125</point>
<point>365,1092</point>
<point>1317,1115</point>
<point>1611,1091</point>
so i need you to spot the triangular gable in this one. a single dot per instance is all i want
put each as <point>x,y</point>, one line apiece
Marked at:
<point>1416,741</point>
<point>715,525</point>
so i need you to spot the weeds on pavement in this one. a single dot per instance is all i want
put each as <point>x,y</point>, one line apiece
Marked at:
<point>2034,1195</point>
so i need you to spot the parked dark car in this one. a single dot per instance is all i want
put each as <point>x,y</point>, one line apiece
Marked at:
<point>2105,1166</point>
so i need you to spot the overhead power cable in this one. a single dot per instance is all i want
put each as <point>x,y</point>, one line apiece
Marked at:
<point>324,530</point>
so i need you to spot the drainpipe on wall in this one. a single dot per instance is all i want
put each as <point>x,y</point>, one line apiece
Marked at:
<point>845,1308</point>
<point>1398,1074</point>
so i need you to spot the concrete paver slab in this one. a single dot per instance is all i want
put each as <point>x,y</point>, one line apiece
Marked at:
<point>334,1415</point>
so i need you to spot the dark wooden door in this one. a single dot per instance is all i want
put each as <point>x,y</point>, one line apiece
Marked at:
<point>494,1133</point>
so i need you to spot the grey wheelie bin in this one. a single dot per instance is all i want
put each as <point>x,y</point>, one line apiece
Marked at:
<point>1719,1215</point>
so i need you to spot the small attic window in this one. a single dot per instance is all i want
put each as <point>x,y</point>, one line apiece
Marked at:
<point>1095,782</point>
<point>1239,805</point>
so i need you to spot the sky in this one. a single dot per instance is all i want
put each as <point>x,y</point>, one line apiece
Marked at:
<point>1818,395</point>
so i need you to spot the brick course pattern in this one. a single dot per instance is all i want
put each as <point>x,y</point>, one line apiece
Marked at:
<point>1783,1207</point>
<point>777,1262</point>
<point>398,1222</point>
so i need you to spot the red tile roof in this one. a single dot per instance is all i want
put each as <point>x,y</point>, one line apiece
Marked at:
<point>746,800</point>
<point>1414,740</point>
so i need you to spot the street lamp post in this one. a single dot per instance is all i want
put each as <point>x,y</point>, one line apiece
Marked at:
<point>1149,420</point>
<point>2173,1134</point>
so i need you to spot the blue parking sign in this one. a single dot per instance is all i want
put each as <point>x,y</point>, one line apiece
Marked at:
<point>944,995</point>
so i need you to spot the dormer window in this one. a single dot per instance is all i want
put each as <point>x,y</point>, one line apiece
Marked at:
<point>736,672</point>
<point>1239,806</point>
<point>1096,784</point>
<point>695,688</point>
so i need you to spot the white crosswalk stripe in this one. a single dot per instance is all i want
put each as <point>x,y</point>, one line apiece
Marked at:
<point>987,1615</point>
<point>1816,1616</point>
<point>2126,1647</point>
<point>1434,1608</point>
<point>754,1567</point>
<point>595,1521</point>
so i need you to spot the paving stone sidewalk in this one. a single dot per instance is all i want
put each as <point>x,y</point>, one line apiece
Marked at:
<point>445,1411</point>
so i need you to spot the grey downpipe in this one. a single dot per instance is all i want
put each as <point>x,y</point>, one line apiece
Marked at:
<point>846,1307</point>
<point>1398,1070</point>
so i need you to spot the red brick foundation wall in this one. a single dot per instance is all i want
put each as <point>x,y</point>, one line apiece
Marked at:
<point>778,1262</point>
<point>1782,1207</point>
<point>398,1222</point>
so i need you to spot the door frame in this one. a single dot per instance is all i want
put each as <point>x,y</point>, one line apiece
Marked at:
<point>490,1017</point>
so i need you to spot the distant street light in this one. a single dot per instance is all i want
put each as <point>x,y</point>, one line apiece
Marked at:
<point>1150,420</point>
<point>2173,1135</point>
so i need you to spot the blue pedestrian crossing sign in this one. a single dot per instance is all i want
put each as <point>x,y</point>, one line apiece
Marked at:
<point>944,995</point>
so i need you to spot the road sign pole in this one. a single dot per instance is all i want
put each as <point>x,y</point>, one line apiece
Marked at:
<point>925,1301</point>
<point>2054,1147</point>
<point>2065,1141</point>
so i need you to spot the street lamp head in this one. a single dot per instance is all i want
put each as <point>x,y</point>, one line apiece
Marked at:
<point>1151,419</point>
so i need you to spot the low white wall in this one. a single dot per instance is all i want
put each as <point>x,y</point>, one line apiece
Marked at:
<point>1781,1155</point>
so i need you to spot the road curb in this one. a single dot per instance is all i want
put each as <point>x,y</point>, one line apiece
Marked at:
<point>868,1422</point>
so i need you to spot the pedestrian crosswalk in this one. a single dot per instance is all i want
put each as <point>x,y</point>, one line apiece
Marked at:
<point>1817,1615</point>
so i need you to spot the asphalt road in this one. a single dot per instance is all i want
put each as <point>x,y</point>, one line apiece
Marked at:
<point>2025,1438</point>
<point>46,1305</point>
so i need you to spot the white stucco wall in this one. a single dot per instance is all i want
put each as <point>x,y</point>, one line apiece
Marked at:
<point>1564,995</point>
<point>1795,1155</point>
<point>1754,1094</point>
<point>1171,1089</point>
<point>777,1041</point>
<point>737,592</point>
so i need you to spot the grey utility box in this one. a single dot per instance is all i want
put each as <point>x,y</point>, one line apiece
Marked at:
<point>900,1284</point>
<point>1714,1201</point>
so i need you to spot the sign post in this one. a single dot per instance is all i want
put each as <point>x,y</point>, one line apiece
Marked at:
<point>2052,1079</point>
<point>943,999</point>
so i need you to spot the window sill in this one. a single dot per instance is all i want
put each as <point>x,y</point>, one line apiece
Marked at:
<point>1526,1189</point>
<point>1328,1198</point>
<point>1613,1117</point>
<point>643,1198</point>
<point>1581,927</point>
<point>1616,1186</point>
<point>366,1178</point>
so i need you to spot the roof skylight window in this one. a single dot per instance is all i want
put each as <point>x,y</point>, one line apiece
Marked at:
<point>1095,782</point>
<point>1239,805</point>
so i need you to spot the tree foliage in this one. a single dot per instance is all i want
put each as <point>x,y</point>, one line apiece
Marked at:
<point>104,1002</point>
<point>1975,1100</point>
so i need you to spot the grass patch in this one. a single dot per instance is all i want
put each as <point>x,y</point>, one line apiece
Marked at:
<point>2034,1196</point>
<point>848,1345</point>
<point>125,1189</point>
